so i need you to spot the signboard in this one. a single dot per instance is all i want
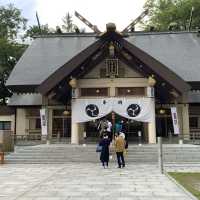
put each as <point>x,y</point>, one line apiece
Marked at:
<point>175,120</point>
<point>43,117</point>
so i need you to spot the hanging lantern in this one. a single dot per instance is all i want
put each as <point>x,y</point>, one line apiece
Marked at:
<point>151,81</point>
<point>97,91</point>
<point>162,111</point>
<point>66,112</point>
<point>73,83</point>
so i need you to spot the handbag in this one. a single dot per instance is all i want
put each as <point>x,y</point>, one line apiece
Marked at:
<point>99,148</point>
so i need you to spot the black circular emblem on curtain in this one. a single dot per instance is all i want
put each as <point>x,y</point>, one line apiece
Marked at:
<point>133,110</point>
<point>92,110</point>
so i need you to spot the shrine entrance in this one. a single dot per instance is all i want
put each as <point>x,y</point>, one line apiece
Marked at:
<point>131,128</point>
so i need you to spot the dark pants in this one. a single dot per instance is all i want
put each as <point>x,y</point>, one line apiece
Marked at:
<point>120,159</point>
<point>110,136</point>
<point>105,164</point>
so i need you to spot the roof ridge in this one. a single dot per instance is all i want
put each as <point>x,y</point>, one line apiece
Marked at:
<point>52,35</point>
<point>91,34</point>
<point>160,33</point>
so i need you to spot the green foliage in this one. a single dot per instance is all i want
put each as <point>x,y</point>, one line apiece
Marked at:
<point>68,25</point>
<point>11,21</point>
<point>190,181</point>
<point>174,13</point>
<point>34,30</point>
<point>10,52</point>
<point>11,24</point>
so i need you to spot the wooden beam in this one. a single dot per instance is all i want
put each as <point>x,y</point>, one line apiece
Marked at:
<point>157,67</point>
<point>68,67</point>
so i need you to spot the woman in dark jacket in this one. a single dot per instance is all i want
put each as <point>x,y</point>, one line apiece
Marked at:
<point>104,157</point>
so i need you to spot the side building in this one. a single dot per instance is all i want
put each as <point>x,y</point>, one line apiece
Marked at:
<point>81,78</point>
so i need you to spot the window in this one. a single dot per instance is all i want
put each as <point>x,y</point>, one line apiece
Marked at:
<point>94,91</point>
<point>5,125</point>
<point>194,122</point>
<point>130,91</point>
<point>33,112</point>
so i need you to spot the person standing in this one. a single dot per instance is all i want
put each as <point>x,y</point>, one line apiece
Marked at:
<point>102,127</point>
<point>109,130</point>
<point>104,156</point>
<point>118,127</point>
<point>119,148</point>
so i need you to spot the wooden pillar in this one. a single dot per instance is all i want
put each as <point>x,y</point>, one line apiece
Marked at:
<point>198,123</point>
<point>146,139</point>
<point>152,132</point>
<point>75,133</point>
<point>21,122</point>
<point>44,138</point>
<point>50,123</point>
<point>183,117</point>
<point>186,126</point>
<point>152,126</point>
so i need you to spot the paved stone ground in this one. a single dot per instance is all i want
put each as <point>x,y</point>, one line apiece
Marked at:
<point>187,167</point>
<point>86,181</point>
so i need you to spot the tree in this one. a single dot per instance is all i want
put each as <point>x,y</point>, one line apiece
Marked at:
<point>11,22</point>
<point>167,15</point>
<point>68,26</point>
<point>35,30</point>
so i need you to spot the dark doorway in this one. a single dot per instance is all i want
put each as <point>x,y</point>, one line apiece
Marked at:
<point>61,127</point>
<point>164,126</point>
<point>129,127</point>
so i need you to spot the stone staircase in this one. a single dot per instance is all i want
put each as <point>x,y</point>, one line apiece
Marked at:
<point>63,153</point>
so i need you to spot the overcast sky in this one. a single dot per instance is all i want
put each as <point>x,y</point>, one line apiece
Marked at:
<point>98,12</point>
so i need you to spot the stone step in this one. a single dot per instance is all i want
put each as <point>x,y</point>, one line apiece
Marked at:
<point>94,149</point>
<point>73,153</point>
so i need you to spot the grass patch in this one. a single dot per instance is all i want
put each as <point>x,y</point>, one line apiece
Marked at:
<point>190,181</point>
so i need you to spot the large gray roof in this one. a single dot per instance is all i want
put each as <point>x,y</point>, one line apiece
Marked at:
<point>178,51</point>
<point>44,56</point>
